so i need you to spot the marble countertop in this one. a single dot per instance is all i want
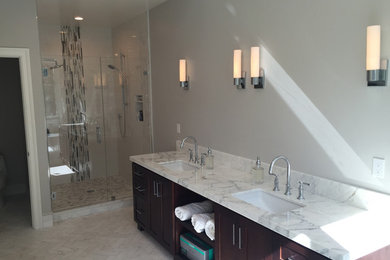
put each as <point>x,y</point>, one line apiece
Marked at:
<point>332,228</point>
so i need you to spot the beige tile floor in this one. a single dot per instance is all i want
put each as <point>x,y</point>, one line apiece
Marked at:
<point>108,235</point>
<point>89,192</point>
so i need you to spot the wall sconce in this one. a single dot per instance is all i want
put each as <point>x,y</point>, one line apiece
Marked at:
<point>257,74</point>
<point>183,78</point>
<point>239,81</point>
<point>376,68</point>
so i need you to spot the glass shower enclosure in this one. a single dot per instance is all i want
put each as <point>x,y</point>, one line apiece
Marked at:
<point>97,109</point>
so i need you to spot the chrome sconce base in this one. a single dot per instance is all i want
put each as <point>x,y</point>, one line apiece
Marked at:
<point>184,85</point>
<point>258,82</point>
<point>239,83</point>
<point>378,78</point>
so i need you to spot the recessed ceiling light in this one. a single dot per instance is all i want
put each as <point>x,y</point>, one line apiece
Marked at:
<point>78,18</point>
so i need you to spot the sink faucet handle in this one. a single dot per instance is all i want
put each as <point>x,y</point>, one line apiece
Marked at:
<point>191,155</point>
<point>276,183</point>
<point>300,189</point>
<point>202,159</point>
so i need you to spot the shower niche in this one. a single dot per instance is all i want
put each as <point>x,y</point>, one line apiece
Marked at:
<point>139,108</point>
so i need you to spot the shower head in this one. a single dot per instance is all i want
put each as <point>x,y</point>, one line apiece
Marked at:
<point>110,66</point>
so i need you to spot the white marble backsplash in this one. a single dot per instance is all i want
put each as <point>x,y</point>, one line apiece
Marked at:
<point>351,195</point>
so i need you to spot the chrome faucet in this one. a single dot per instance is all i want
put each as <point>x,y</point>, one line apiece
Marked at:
<point>288,187</point>
<point>196,159</point>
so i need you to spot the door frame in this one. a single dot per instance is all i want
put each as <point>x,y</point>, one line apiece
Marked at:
<point>23,54</point>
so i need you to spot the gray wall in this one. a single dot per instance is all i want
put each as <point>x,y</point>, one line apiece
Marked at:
<point>18,28</point>
<point>12,141</point>
<point>320,44</point>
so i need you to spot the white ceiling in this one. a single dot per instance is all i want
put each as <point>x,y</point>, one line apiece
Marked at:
<point>95,12</point>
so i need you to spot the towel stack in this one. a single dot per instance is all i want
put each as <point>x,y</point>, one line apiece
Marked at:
<point>200,213</point>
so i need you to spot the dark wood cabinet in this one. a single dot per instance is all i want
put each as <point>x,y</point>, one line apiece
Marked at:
<point>236,237</point>
<point>141,196</point>
<point>231,235</point>
<point>161,210</point>
<point>153,210</point>
<point>285,249</point>
<point>242,239</point>
<point>259,241</point>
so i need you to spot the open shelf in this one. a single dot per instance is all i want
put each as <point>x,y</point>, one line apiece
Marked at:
<point>188,226</point>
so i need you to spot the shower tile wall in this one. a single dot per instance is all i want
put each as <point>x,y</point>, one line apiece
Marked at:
<point>75,133</point>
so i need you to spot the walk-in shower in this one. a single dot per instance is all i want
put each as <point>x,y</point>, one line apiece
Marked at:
<point>96,101</point>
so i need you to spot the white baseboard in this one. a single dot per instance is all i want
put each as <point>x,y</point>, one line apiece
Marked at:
<point>90,210</point>
<point>47,221</point>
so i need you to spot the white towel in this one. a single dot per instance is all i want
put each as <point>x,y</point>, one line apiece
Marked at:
<point>199,221</point>
<point>185,212</point>
<point>210,229</point>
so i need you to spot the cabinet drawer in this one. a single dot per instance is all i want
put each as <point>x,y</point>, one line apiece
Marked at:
<point>288,249</point>
<point>138,173</point>
<point>288,253</point>
<point>140,186</point>
<point>140,210</point>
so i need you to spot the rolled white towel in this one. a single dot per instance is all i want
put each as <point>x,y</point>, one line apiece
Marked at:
<point>185,212</point>
<point>210,229</point>
<point>199,221</point>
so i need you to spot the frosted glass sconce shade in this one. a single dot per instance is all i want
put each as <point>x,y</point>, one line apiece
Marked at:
<point>257,74</point>
<point>376,68</point>
<point>183,78</point>
<point>238,80</point>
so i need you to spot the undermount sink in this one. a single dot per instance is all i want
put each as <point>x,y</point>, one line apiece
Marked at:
<point>266,201</point>
<point>179,165</point>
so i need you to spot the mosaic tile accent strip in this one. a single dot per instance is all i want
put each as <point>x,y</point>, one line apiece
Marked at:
<point>72,53</point>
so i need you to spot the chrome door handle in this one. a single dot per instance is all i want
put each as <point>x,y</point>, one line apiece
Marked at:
<point>158,191</point>
<point>239,238</point>
<point>234,234</point>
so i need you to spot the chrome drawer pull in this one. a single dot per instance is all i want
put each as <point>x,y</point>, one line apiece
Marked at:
<point>138,188</point>
<point>239,238</point>
<point>234,235</point>
<point>139,174</point>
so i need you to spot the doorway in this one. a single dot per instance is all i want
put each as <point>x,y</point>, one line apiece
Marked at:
<point>14,178</point>
<point>23,57</point>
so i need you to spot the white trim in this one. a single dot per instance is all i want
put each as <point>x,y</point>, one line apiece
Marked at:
<point>23,54</point>
<point>151,124</point>
<point>92,209</point>
<point>47,221</point>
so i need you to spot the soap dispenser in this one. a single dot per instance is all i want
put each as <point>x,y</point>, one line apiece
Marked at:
<point>258,172</point>
<point>209,159</point>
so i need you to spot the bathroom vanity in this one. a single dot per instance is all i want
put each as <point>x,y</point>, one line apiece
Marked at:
<point>164,181</point>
